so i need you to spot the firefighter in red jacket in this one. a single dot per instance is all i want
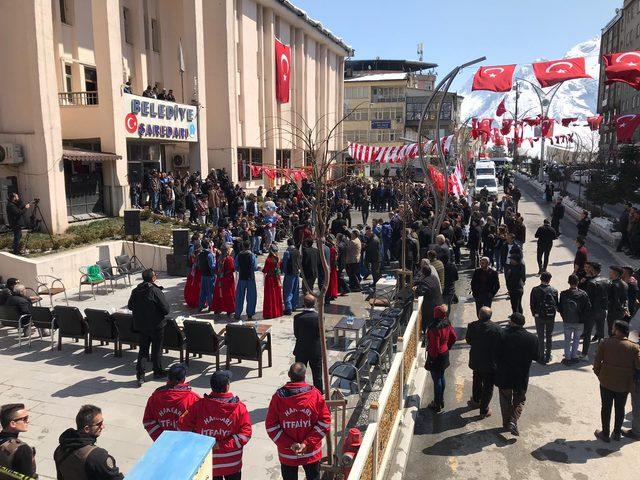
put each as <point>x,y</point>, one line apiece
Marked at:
<point>223,416</point>
<point>297,420</point>
<point>168,403</point>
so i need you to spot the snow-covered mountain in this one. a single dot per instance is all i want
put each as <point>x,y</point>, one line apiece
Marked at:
<point>575,98</point>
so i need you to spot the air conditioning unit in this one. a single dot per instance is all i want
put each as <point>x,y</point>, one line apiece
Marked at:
<point>11,154</point>
<point>180,161</point>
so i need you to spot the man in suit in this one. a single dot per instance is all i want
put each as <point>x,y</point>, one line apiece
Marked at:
<point>307,332</point>
<point>372,255</point>
<point>557,214</point>
<point>510,248</point>
<point>484,284</point>
<point>310,262</point>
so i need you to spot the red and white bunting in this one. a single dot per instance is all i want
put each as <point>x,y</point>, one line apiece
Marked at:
<point>395,154</point>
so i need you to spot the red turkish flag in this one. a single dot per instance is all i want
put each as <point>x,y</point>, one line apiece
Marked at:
<point>625,126</point>
<point>283,71</point>
<point>495,79</point>
<point>594,122</point>
<point>547,127</point>
<point>501,108</point>
<point>498,139</point>
<point>506,126</point>
<point>623,67</point>
<point>567,121</point>
<point>532,121</point>
<point>558,71</point>
<point>474,128</point>
<point>484,125</point>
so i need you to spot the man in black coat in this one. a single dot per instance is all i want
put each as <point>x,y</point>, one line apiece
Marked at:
<point>372,255</point>
<point>20,299</point>
<point>484,284</point>
<point>508,249</point>
<point>338,224</point>
<point>545,235</point>
<point>307,332</point>
<point>149,308</point>
<point>428,286</point>
<point>516,350</point>
<point>544,305</point>
<point>618,297</point>
<point>557,214</point>
<point>15,218</point>
<point>483,336</point>
<point>310,265</point>
<point>515,276</point>
<point>597,289</point>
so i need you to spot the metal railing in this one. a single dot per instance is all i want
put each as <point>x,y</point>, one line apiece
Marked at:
<point>378,442</point>
<point>74,99</point>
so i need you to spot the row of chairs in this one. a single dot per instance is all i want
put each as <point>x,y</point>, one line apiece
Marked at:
<point>242,342</point>
<point>50,286</point>
<point>375,350</point>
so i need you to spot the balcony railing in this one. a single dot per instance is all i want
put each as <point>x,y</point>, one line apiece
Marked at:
<point>74,99</point>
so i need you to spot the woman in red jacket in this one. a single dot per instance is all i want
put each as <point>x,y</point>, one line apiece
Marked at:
<point>440,338</point>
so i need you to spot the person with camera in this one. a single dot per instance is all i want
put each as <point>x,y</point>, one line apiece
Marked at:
<point>16,217</point>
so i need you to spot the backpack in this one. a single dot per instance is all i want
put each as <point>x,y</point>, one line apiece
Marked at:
<point>548,304</point>
<point>570,311</point>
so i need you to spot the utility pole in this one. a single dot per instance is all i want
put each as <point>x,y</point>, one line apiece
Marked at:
<point>515,131</point>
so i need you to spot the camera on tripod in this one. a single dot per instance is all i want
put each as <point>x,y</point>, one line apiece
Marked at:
<point>35,201</point>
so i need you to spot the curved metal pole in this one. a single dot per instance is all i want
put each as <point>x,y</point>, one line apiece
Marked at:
<point>448,78</point>
<point>443,160</point>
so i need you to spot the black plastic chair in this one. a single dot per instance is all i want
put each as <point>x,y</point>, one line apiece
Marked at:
<point>101,328</point>
<point>10,316</point>
<point>243,343</point>
<point>127,266</point>
<point>111,273</point>
<point>353,367</point>
<point>126,332</point>
<point>43,319</point>
<point>174,339</point>
<point>203,340</point>
<point>71,324</point>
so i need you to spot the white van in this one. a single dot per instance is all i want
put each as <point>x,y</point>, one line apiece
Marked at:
<point>485,169</point>
<point>486,181</point>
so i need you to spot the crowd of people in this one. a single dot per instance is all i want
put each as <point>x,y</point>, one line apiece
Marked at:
<point>237,228</point>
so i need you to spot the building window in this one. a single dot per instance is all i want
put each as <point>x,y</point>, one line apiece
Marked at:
<point>65,11</point>
<point>352,93</point>
<point>248,157</point>
<point>356,115</point>
<point>68,78</point>
<point>91,85</point>
<point>387,114</point>
<point>126,20</point>
<point>283,158</point>
<point>146,33</point>
<point>387,94</point>
<point>155,35</point>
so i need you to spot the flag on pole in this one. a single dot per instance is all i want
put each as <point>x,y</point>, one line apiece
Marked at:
<point>181,66</point>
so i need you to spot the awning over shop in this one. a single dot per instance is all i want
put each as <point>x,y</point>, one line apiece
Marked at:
<point>80,155</point>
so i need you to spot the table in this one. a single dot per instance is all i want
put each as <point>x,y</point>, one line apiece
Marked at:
<point>344,327</point>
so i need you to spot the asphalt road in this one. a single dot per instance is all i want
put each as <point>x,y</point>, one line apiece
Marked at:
<point>563,404</point>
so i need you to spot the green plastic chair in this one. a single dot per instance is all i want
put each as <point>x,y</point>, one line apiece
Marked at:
<point>92,276</point>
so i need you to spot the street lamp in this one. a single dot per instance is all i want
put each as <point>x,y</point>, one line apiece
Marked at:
<point>545,99</point>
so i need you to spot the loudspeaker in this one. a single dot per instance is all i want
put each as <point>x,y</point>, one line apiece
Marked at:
<point>177,265</point>
<point>132,222</point>
<point>180,241</point>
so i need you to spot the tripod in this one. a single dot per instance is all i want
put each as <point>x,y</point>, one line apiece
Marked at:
<point>34,223</point>
<point>134,261</point>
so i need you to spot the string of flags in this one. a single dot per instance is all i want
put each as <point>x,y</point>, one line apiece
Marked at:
<point>297,174</point>
<point>395,154</point>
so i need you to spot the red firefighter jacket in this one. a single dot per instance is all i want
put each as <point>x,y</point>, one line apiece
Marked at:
<point>224,417</point>
<point>298,414</point>
<point>165,406</point>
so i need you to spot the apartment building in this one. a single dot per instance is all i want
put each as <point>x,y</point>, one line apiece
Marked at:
<point>77,136</point>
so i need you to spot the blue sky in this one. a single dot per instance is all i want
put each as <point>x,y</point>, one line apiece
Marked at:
<point>455,31</point>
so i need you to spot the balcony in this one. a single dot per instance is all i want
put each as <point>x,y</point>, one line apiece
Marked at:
<point>77,99</point>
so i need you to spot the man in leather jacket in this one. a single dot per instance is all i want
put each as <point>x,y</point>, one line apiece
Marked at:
<point>618,297</point>
<point>597,289</point>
